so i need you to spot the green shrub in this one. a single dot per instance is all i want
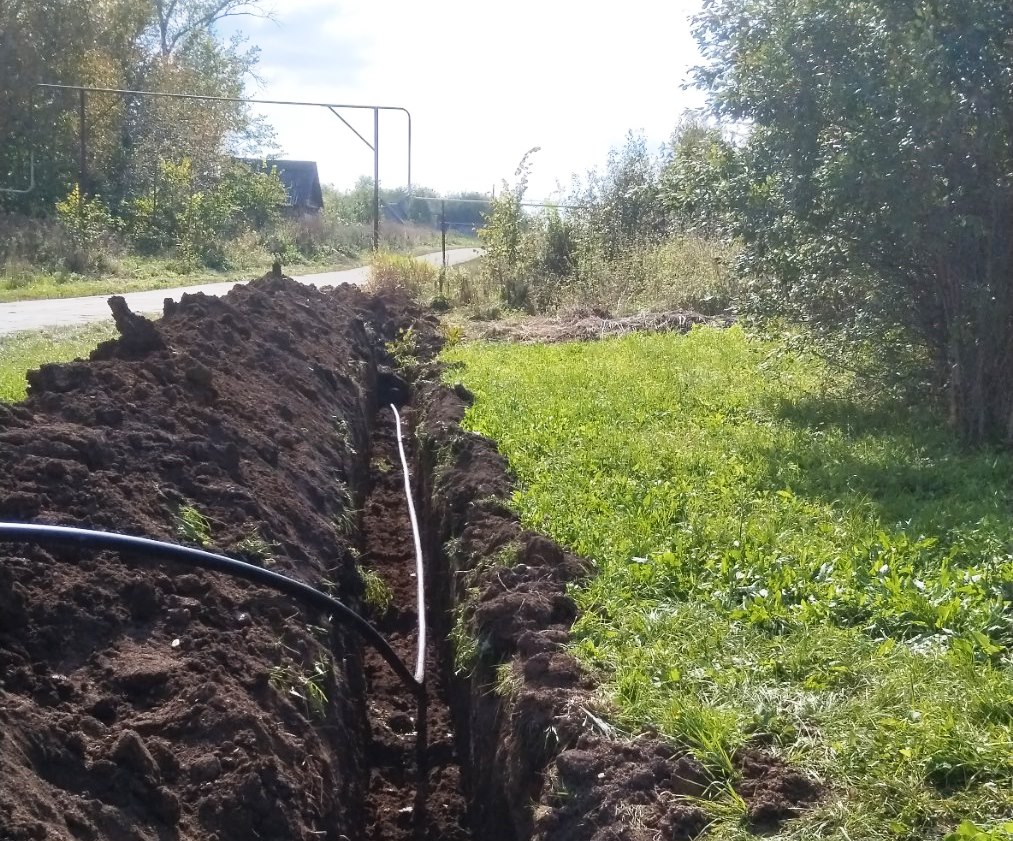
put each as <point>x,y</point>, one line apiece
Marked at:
<point>401,273</point>
<point>89,227</point>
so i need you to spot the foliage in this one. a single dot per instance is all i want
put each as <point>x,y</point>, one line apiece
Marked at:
<point>377,593</point>
<point>310,686</point>
<point>89,226</point>
<point>192,526</point>
<point>782,559</point>
<point>509,253</point>
<point>620,206</point>
<point>254,549</point>
<point>177,23</point>
<point>401,273</point>
<point>136,44</point>
<point>878,190</point>
<point>700,182</point>
<point>405,348</point>
<point>629,238</point>
<point>199,222</point>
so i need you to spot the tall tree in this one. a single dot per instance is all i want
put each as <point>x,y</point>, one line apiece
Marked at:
<point>880,172</point>
<point>177,21</point>
<point>157,45</point>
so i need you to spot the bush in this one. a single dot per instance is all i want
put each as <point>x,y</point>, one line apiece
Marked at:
<point>89,227</point>
<point>402,273</point>
<point>199,223</point>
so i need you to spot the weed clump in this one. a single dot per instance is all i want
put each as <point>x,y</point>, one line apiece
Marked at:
<point>393,273</point>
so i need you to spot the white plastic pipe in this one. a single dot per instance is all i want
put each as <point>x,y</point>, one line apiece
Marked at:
<point>420,657</point>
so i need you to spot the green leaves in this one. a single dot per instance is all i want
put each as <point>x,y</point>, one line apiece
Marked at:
<point>968,831</point>
<point>874,189</point>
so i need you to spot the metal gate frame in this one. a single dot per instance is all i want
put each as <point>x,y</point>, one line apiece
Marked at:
<point>333,107</point>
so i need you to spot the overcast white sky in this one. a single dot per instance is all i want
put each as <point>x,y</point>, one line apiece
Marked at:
<point>484,82</point>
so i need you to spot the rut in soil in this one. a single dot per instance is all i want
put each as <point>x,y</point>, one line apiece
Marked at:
<point>402,803</point>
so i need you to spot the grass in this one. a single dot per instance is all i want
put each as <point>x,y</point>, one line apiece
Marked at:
<point>252,548</point>
<point>135,274</point>
<point>23,352</point>
<point>401,273</point>
<point>779,561</point>
<point>309,686</point>
<point>376,592</point>
<point>192,526</point>
<point>23,281</point>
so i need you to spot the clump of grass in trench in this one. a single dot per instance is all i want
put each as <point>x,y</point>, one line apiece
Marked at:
<point>254,549</point>
<point>23,352</point>
<point>779,560</point>
<point>309,686</point>
<point>376,592</point>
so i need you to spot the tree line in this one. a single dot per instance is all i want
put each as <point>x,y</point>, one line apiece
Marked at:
<point>166,46</point>
<point>858,156</point>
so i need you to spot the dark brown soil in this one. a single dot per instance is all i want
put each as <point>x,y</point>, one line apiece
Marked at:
<point>589,325</point>
<point>148,701</point>
<point>396,808</point>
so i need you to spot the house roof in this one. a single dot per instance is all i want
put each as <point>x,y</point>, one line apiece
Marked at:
<point>301,180</point>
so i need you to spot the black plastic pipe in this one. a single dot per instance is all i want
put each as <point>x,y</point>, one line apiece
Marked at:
<point>88,539</point>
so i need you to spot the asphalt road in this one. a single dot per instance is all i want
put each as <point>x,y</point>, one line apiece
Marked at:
<point>20,316</point>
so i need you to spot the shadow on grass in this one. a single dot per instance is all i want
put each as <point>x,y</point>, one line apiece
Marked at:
<point>902,461</point>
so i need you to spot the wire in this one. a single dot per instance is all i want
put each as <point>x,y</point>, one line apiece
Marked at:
<point>144,547</point>
<point>420,657</point>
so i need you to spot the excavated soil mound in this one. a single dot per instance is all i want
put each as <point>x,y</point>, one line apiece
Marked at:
<point>590,325</point>
<point>148,701</point>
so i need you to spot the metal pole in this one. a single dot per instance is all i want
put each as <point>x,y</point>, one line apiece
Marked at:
<point>443,238</point>
<point>82,171</point>
<point>376,179</point>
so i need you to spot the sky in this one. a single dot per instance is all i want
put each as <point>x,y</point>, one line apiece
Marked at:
<point>484,82</point>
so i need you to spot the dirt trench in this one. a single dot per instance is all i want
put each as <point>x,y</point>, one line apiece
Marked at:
<point>153,702</point>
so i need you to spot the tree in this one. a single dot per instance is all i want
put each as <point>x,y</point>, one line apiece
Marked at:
<point>167,47</point>
<point>620,205</point>
<point>177,21</point>
<point>700,180</point>
<point>879,173</point>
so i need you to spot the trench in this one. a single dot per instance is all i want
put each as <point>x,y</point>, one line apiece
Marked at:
<point>414,788</point>
<point>167,703</point>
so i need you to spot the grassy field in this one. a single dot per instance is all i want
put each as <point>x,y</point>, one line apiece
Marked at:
<point>779,560</point>
<point>22,352</point>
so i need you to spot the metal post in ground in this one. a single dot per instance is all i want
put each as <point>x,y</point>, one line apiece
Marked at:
<point>82,170</point>
<point>443,239</point>
<point>376,179</point>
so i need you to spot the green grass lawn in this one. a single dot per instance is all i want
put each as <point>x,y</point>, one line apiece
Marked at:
<point>22,352</point>
<point>779,560</point>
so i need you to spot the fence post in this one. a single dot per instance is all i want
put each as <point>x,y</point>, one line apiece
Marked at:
<point>376,179</point>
